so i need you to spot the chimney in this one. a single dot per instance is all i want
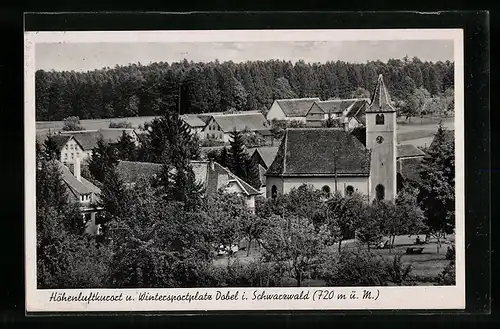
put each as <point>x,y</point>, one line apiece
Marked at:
<point>76,170</point>
<point>212,167</point>
<point>346,124</point>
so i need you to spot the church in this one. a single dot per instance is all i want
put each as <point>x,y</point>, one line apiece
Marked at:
<point>338,159</point>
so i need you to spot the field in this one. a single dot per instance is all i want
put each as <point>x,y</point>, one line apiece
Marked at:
<point>425,266</point>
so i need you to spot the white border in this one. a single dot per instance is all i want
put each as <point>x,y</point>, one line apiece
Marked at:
<point>450,297</point>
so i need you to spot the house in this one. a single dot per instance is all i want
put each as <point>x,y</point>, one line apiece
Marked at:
<point>263,157</point>
<point>219,127</point>
<point>82,191</point>
<point>210,174</point>
<point>350,111</point>
<point>334,159</point>
<point>293,109</point>
<point>68,149</point>
<point>195,123</point>
<point>87,140</point>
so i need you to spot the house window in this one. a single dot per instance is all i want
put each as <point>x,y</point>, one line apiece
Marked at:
<point>274,192</point>
<point>379,119</point>
<point>72,155</point>
<point>218,128</point>
<point>349,190</point>
<point>326,190</point>
<point>380,192</point>
<point>65,156</point>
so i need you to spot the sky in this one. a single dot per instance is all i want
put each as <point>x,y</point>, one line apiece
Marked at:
<point>90,56</point>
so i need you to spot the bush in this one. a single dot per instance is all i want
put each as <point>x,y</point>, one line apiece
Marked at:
<point>447,277</point>
<point>72,124</point>
<point>211,143</point>
<point>354,268</point>
<point>399,273</point>
<point>254,274</point>
<point>120,124</point>
<point>450,252</point>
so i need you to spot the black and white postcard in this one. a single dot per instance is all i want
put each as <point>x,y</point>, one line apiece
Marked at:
<point>244,170</point>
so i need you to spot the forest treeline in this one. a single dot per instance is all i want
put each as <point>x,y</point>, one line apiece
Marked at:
<point>189,87</point>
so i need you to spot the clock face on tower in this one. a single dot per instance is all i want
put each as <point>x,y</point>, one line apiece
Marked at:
<point>379,139</point>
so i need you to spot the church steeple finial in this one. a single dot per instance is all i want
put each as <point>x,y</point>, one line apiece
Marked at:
<point>381,100</point>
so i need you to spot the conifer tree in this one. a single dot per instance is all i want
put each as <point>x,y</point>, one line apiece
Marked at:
<point>51,150</point>
<point>253,173</point>
<point>126,147</point>
<point>437,185</point>
<point>238,157</point>
<point>104,157</point>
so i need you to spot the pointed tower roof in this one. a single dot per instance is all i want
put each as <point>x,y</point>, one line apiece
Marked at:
<point>381,101</point>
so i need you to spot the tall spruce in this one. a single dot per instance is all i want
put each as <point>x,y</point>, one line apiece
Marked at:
<point>51,149</point>
<point>104,157</point>
<point>238,156</point>
<point>127,150</point>
<point>437,185</point>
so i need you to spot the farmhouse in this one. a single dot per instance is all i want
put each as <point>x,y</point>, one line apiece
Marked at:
<point>195,123</point>
<point>333,159</point>
<point>293,109</point>
<point>86,140</point>
<point>219,127</point>
<point>84,192</point>
<point>350,111</point>
<point>210,174</point>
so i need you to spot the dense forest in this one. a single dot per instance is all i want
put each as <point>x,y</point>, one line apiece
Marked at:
<point>143,90</point>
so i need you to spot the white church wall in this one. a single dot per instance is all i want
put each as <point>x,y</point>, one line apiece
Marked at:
<point>360,184</point>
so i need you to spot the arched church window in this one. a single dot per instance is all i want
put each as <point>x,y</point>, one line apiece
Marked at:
<point>349,190</point>
<point>380,192</point>
<point>326,190</point>
<point>379,119</point>
<point>274,192</point>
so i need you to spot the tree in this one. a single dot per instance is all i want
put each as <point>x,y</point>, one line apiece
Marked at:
<point>51,149</point>
<point>295,245</point>
<point>369,226</point>
<point>360,93</point>
<point>344,214</point>
<point>120,124</point>
<point>126,148</point>
<point>104,157</point>
<point>72,124</point>
<point>253,173</point>
<point>414,102</point>
<point>437,186</point>
<point>227,213</point>
<point>253,228</point>
<point>237,155</point>
<point>282,89</point>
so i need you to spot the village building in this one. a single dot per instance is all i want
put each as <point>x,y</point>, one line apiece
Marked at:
<point>195,123</point>
<point>293,109</point>
<point>82,142</point>
<point>350,111</point>
<point>332,159</point>
<point>263,157</point>
<point>210,174</point>
<point>219,127</point>
<point>84,192</point>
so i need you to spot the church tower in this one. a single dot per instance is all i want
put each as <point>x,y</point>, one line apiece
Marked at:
<point>381,140</point>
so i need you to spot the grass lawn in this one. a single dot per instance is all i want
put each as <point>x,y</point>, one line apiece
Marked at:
<point>425,266</point>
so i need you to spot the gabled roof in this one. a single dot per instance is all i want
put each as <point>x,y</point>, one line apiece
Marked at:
<point>320,152</point>
<point>381,100</point>
<point>408,151</point>
<point>267,153</point>
<point>132,172</point>
<point>262,175</point>
<point>77,187</point>
<point>88,138</point>
<point>296,107</point>
<point>337,105</point>
<point>358,110</point>
<point>409,168</point>
<point>112,135</point>
<point>62,140</point>
<point>240,121</point>
<point>193,120</point>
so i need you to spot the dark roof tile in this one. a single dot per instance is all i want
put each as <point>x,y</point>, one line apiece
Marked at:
<point>314,151</point>
<point>296,107</point>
